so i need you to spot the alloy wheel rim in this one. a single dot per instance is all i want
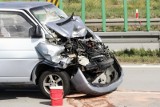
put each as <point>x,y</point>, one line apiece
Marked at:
<point>52,80</point>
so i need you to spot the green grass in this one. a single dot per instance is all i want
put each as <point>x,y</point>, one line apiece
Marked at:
<point>139,59</point>
<point>138,56</point>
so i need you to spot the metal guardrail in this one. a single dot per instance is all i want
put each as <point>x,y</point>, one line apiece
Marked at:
<point>130,37</point>
<point>120,21</point>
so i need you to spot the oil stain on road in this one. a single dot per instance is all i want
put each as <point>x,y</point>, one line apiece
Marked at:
<point>116,99</point>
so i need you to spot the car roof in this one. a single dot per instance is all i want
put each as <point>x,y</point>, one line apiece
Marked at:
<point>22,5</point>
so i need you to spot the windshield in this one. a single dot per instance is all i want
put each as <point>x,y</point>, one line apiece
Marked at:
<point>48,13</point>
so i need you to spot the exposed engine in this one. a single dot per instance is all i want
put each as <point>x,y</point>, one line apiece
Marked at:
<point>94,59</point>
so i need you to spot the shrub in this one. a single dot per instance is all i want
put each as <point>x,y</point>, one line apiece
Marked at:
<point>137,52</point>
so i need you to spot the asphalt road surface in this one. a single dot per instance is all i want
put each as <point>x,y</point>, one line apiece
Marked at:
<point>122,46</point>
<point>140,88</point>
<point>141,78</point>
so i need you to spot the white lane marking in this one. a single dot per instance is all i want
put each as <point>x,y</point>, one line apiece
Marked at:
<point>141,66</point>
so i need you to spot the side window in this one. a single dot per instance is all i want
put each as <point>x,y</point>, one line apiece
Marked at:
<point>13,25</point>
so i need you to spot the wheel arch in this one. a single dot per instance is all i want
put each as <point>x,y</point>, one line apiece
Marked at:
<point>39,69</point>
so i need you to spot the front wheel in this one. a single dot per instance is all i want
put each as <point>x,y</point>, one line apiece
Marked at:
<point>54,78</point>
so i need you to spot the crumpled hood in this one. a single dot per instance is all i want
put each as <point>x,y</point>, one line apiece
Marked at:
<point>69,28</point>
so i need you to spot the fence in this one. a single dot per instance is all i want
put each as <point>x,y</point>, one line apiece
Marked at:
<point>125,7</point>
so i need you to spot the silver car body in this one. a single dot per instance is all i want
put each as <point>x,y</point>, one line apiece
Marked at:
<point>20,57</point>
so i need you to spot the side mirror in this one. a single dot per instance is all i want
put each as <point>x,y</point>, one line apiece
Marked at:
<point>35,32</point>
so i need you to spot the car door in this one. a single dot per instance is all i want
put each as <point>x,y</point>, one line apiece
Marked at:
<point>18,56</point>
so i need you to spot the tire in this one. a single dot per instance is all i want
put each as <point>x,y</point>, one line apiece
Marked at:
<point>59,78</point>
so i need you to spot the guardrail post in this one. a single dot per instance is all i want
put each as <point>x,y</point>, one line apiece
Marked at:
<point>83,10</point>
<point>125,15</point>
<point>159,42</point>
<point>103,15</point>
<point>148,14</point>
<point>61,4</point>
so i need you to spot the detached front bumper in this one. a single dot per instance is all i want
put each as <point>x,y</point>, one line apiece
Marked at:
<point>82,85</point>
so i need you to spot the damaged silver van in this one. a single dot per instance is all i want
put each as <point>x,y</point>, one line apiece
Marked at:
<point>40,44</point>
